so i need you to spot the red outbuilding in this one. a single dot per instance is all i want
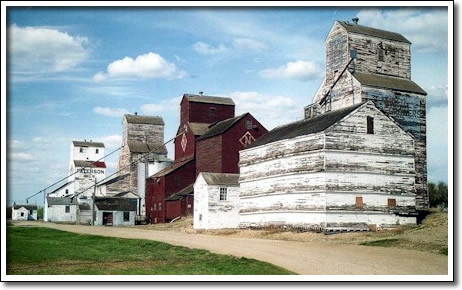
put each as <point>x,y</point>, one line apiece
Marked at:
<point>209,140</point>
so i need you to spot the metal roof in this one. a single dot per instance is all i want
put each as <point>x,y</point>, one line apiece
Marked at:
<point>199,129</point>
<point>90,164</point>
<point>221,178</point>
<point>388,82</point>
<point>62,186</point>
<point>87,144</point>
<point>137,119</point>
<point>221,127</point>
<point>61,201</point>
<point>182,193</point>
<point>173,167</point>
<point>26,206</point>
<point>84,206</point>
<point>355,28</point>
<point>209,99</point>
<point>145,147</point>
<point>304,127</point>
<point>116,204</point>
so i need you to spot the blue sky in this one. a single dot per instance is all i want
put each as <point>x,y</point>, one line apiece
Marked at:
<point>73,73</point>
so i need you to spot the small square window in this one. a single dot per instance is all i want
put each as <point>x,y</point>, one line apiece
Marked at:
<point>248,124</point>
<point>97,151</point>
<point>67,191</point>
<point>212,111</point>
<point>81,150</point>
<point>359,202</point>
<point>126,216</point>
<point>392,202</point>
<point>68,209</point>
<point>160,206</point>
<point>381,54</point>
<point>223,193</point>
<point>22,214</point>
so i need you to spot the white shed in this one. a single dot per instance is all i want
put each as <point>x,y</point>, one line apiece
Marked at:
<point>24,212</point>
<point>60,209</point>
<point>115,211</point>
<point>216,201</point>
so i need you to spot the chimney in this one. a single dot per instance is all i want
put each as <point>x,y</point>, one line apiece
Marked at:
<point>355,20</point>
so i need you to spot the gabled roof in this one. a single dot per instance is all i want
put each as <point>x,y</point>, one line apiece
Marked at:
<point>126,194</point>
<point>143,147</point>
<point>388,82</point>
<point>84,206</point>
<point>26,206</point>
<point>304,127</point>
<point>221,127</point>
<point>209,99</point>
<point>61,201</point>
<point>199,129</point>
<point>87,144</point>
<point>173,167</point>
<point>220,178</point>
<point>115,179</point>
<point>355,28</point>
<point>89,164</point>
<point>62,186</point>
<point>182,193</point>
<point>116,204</point>
<point>137,119</point>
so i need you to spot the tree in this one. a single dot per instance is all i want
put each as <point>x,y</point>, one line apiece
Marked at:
<point>438,194</point>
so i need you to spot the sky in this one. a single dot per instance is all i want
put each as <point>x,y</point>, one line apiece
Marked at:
<point>74,72</point>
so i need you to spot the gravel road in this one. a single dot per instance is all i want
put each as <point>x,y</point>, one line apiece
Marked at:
<point>308,258</point>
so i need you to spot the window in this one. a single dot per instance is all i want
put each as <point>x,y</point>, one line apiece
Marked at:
<point>200,217</point>
<point>248,124</point>
<point>97,151</point>
<point>212,111</point>
<point>381,54</point>
<point>67,191</point>
<point>126,216</point>
<point>160,206</point>
<point>155,206</point>
<point>81,150</point>
<point>359,202</point>
<point>31,212</point>
<point>68,209</point>
<point>370,125</point>
<point>223,193</point>
<point>392,202</point>
<point>22,214</point>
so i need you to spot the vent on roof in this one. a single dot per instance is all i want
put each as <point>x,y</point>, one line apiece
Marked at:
<point>355,20</point>
<point>201,93</point>
<point>136,113</point>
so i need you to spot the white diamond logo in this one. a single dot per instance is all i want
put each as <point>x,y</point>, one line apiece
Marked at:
<point>247,139</point>
<point>184,142</point>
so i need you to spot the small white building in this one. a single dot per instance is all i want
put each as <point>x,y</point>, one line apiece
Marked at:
<point>216,201</point>
<point>348,169</point>
<point>25,212</point>
<point>115,211</point>
<point>61,209</point>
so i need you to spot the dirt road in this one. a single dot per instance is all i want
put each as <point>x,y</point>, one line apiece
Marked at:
<point>308,258</point>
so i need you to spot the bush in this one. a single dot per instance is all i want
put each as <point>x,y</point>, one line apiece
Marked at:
<point>438,194</point>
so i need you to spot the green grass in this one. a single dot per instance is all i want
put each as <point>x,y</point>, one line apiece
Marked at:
<point>35,251</point>
<point>382,243</point>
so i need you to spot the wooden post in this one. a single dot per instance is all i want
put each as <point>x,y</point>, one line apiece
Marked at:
<point>93,205</point>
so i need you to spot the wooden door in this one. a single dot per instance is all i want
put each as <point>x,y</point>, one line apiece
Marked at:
<point>107,218</point>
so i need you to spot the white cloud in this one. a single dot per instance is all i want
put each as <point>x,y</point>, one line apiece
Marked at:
<point>426,29</point>
<point>298,70</point>
<point>110,112</point>
<point>45,49</point>
<point>269,110</point>
<point>110,141</point>
<point>204,48</point>
<point>21,157</point>
<point>15,144</point>
<point>247,43</point>
<point>437,96</point>
<point>145,66</point>
<point>437,143</point>
<point>171,104</point>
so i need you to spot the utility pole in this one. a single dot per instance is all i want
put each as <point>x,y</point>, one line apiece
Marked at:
<point>93,205</point>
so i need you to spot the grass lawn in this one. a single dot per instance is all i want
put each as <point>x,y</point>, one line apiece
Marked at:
<point>35,251</point>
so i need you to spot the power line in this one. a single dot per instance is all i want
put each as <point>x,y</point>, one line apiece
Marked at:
<point>64,178</point>
<point>131,163</point>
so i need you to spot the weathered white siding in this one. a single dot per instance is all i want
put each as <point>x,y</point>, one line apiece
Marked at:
<point>57,213</point>
<point>23,214</point>
<point>318,188</point>
<point>212,213</point>
<point>117,218</point>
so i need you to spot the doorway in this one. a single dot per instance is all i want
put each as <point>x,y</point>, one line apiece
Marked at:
<point>107,218</point>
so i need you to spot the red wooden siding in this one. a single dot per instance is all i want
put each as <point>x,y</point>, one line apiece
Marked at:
<point>201,112</point>
<point>190,144</point>
<point>210,152</point>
